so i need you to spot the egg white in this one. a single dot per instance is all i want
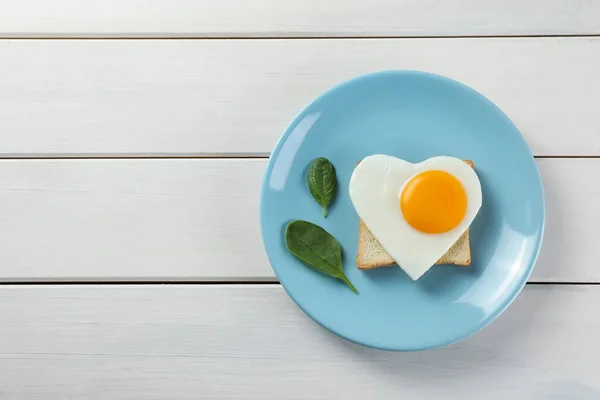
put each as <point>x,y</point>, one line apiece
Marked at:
<point>375,188</point>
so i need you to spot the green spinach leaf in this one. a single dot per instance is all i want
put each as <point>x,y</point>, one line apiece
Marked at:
<point>322,182</point>
<point>315,247</point>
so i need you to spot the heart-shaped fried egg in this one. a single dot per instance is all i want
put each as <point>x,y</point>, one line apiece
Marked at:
<point>416,211</point>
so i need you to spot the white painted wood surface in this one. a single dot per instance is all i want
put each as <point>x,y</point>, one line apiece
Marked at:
<point>223,97</point>
<point>192,219</point>
<point>276,18</point>
<point>197,219</point>
<point>131,219</point>
<point>251,342</point>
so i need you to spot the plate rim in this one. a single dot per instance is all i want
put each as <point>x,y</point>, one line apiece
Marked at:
<point>301,115</point>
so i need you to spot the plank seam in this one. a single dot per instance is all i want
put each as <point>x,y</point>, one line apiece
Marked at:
<point>298,37</point>
<point>214,283</point>
<point>211,156</point>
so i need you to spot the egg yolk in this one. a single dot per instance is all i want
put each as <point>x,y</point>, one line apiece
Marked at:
<point>433,202</point>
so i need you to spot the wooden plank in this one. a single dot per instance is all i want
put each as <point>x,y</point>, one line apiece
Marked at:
<point>248,342</point>
<point>131,219</point>
<point>210,18</point>
<point>198,220</point>
<point>223,97</point>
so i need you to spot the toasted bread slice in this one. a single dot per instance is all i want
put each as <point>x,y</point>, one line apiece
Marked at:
<point>371,253</point>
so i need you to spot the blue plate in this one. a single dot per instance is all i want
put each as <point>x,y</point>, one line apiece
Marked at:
<point>411,115</point>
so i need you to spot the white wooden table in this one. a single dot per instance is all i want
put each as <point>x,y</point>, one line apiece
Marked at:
<point>133,138</point>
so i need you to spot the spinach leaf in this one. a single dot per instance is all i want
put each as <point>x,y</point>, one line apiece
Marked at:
<point>315,247</point>
<point>322,182</point>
